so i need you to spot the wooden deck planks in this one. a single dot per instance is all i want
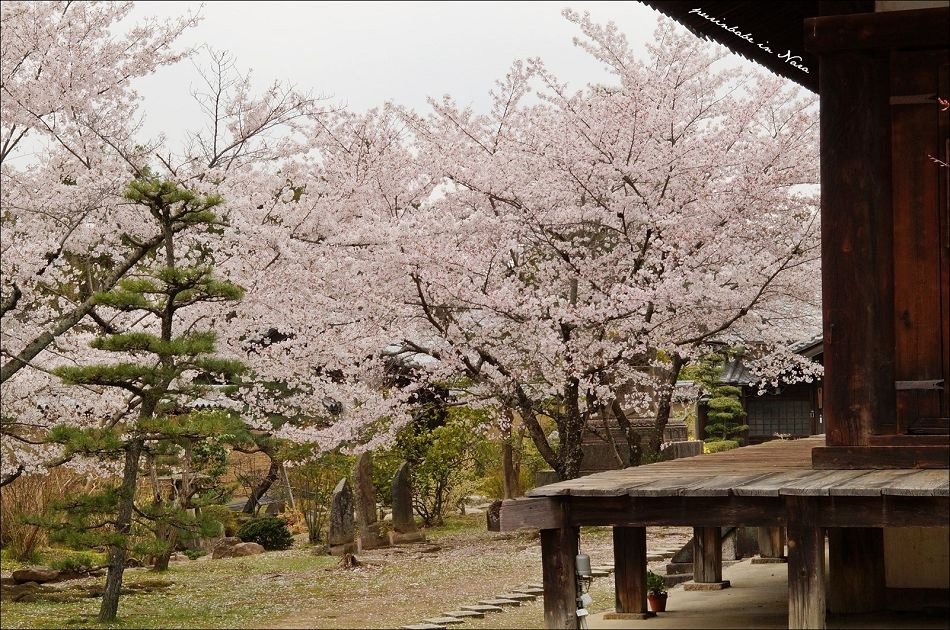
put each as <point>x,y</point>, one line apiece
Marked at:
<point>771,469</point>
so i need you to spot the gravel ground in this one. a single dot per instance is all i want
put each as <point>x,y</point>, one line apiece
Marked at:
<point>406,585</point>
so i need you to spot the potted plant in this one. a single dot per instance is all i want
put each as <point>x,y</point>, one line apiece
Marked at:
<point>656,592</point>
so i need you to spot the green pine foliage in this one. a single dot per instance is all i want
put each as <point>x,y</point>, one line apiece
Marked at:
<point>164,437</point>
<point>725,411</point>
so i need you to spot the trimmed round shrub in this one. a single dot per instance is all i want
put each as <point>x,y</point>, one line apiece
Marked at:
<point>717,446</point>
<point>269,532</point>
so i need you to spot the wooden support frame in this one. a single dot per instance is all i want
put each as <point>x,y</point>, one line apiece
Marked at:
<point>770,511</point>
<point>630,573</point>
<point>806,565</point>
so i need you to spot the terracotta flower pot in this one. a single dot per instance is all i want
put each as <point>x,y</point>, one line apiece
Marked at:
<point>657,602</point>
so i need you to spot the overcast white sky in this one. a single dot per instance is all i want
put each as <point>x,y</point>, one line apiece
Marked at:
<point>364,53</point>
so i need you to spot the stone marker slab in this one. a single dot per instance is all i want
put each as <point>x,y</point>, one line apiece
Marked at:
<point>499,602</point>
<point>342,536</point>
<point>465,614</point>
<point>518,597</point>
<point>706,586</point>
<point>483,608</point>
<point>444,621</point>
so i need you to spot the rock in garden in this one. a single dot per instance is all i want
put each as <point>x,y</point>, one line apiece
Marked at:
<point>35,574</point>
<point>239,550</point>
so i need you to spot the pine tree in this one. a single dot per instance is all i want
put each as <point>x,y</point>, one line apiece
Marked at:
<point>158,368</point>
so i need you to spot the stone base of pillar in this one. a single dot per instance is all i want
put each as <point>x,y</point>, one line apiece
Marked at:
<point>619,615</point>
<point>706,586</point>
<point>404,538</point>
<point>769,560</point>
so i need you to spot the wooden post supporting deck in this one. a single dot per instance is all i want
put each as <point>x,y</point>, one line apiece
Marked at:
<point>630,564</point>
<point>856,569</point>
<point>558,554</point>
<point>771,543</point>
<point>806,565</point>
<point>707,560</point>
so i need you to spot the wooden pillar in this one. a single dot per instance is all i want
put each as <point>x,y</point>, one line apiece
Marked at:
<point>856,244</point>
<point>856,569</point>
<point>630,566</point>
<point>707,560</point>
<point>558,554</point>
<point>771,542</point>
<point>806,565</point>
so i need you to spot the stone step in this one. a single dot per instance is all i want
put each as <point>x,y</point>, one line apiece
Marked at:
<point>599,573</point>
<point>499,602</point>
<point>534,585</point>
<point>465,614</point>
<point>444,621</point>
<point>483,608</point>
<point>423,626</point>
<point>530,590</point>
<point>518,597</point>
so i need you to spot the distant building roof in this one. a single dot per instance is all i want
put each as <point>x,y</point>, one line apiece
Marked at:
<point>736,372</point>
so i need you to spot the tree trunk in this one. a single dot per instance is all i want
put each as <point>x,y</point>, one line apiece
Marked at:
<point>171,539</point>
<point>123,525</point>
<point>634,439</point>
<point>262,487</point>
<point>665,403</point>
<point>509,466</point>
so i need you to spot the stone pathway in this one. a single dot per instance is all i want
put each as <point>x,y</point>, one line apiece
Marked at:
<point>513,597</point>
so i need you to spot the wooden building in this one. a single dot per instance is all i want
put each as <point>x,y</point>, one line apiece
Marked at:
<point>792,410</point>
<point>880,470</point>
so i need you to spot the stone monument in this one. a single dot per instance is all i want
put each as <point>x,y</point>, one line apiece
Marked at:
<point>342,527</point>
<point>370,533</point>
<point>404,525</point>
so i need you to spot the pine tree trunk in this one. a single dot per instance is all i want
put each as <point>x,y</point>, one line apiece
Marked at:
<point>171,539</point>
<point>262,487</point>
<point>117,553</point>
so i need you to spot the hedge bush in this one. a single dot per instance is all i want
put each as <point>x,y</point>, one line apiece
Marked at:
<point>717,446</point>
<point>269,532</point>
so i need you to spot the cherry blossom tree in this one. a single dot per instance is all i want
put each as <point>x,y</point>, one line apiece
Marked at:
<point>585,246</point>
<point>295,178</point>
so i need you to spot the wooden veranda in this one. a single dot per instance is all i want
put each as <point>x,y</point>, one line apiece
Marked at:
<point>767,485</point>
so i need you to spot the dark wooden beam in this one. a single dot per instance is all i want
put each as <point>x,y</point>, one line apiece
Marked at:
<point>541,513</point>
<point>880,457</point>
<point>887,511</point>
<point>921,28</point>
<point>558,555</point>
<point>630,566</point>
<point>856,570</point>
<point>681,511</point>
<point>806,565</point>
<point>752,511</point>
